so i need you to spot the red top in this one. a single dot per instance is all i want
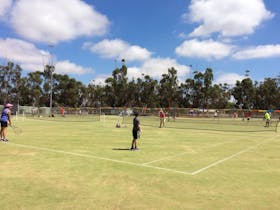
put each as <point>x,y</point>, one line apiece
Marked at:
<point>161,114</point>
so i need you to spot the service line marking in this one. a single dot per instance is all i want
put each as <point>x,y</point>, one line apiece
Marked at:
<point>141,164</point>
<point>99,158</point>
<point>183,153</point>
<point>225,159</point>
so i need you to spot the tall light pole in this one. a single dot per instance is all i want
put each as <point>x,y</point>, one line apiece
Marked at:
<point>51,64</point>
<point>51,93</point>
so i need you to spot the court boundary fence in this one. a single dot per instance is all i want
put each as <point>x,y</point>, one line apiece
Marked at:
<point>171,112</point>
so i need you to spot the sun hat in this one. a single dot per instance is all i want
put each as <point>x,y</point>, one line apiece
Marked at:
<point>8,105</point>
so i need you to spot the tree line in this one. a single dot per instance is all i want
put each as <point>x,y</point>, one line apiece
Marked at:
<point>35,88</point>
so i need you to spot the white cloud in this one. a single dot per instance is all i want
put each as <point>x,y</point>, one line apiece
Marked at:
<point>67,67</point>
<point>155,67</point>
<point>134,72</point>
<point>228,18</point>
<point>33,59</point>
<point>100,79</point>
<point>4,6</point>
<point>229,78</point>
<point>118,49</point>
<point>21,52</point>
<point>262,51</point>
<point>208,49</point>
<point>55,21</point>
<point>183,36</point>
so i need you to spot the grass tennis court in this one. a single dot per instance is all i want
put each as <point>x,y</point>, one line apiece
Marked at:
<point>84,163</point>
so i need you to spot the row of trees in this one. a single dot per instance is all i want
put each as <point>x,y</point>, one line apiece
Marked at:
<point>35,88</point>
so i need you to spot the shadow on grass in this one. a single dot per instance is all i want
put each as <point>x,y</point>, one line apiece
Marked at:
<point>121,149</point>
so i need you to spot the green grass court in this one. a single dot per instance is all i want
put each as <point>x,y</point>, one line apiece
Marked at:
<point>80,162</point>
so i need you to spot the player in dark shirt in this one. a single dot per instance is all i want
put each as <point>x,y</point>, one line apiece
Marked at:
<point>135,131</point>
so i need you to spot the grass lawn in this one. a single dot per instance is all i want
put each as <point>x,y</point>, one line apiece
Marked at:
<point>84,163</point>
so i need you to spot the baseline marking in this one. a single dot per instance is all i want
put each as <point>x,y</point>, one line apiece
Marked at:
<point>225,159</point>
<point>99,158</point>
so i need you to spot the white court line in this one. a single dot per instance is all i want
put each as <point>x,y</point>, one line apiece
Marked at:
<point>225,159</point>
<point>169,157</point>
<point>180,154</point>
<point>99,158</point>
<point>141,164</point>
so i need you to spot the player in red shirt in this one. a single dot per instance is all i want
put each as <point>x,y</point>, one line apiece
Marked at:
<point>161,118</point>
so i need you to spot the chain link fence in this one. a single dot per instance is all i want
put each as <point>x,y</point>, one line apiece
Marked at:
<point>170,112</point>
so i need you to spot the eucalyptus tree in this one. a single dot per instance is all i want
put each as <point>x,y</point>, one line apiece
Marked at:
<point>33,88</point>
<point>168,89</point>
<point>133,93</point>
<point>199,92</point>
<point>198,96</point>
<point>147,88</point>
<point>16,84</point>
<point>268,94</point>
<point>244,92</point>
<point>5,86</point>
<point>47,84</point>
<point>122,86</point>
<point>187,93</point>
<point>10,76</point>
<point>116,87</point>
<point>109,92</point>
<point>207,86</point>
<point>67,91</point>
<point>94,96</point>
<point>219,96</point>
<point>24,92</point>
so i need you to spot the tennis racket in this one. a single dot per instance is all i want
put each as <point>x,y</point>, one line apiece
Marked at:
<point>138,134</point>
<point>16,130</point>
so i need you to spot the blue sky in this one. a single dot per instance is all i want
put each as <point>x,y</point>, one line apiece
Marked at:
<point>88,39</point>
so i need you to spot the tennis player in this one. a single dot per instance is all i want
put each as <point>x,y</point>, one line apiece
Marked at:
<point>161,118</point>
<point>135,131</point>
<point>267,119</point>
<point>5,121</point>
